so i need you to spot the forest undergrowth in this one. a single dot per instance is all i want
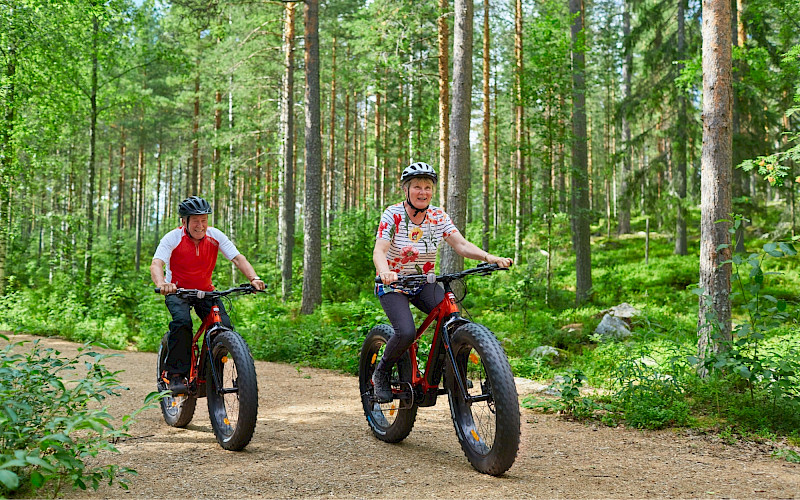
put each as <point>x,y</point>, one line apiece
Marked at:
<point>648,380</point>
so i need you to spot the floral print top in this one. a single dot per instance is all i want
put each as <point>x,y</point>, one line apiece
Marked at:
<point>413,247</point>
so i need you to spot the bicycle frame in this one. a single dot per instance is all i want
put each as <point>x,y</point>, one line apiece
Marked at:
<point>211,320</point>
<point>446,314</point>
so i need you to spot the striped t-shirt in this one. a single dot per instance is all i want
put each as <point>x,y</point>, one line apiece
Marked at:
<point>413,247</point>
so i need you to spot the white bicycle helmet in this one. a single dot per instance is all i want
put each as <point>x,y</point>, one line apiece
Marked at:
<point>419,169</point>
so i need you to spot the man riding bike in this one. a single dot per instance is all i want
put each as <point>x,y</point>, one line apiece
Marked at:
<point>407,241</point>
<point>189,254</point>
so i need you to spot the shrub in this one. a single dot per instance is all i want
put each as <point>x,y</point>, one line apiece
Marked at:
<point>49,425</point>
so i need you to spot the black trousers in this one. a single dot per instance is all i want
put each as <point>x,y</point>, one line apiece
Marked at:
<point>396,306</point>
<point>179,343</point>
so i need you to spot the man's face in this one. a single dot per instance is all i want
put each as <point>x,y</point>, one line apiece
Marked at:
<point>196,226</point>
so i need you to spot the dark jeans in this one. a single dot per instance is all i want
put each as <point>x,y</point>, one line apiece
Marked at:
<point>396,306</point>
<point>179,343</point>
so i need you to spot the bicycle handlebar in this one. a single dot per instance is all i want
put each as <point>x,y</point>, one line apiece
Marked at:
<point>190,293</point>
<point>416,279</point>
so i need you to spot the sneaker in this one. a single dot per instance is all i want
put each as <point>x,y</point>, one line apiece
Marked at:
<point>178,384</point>
<point>383,387</point>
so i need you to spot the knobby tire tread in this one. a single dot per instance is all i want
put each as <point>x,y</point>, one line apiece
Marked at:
<point>182,416</point>
<point>404,421</point>
<point>504,449</point>
<point>231,342</point>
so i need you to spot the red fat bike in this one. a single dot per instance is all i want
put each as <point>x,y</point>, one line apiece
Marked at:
<point>474,371</point>
<point>222,370</point>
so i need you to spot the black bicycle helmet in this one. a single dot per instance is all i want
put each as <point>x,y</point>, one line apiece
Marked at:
<point>419,169</point>
<point>193,205</point>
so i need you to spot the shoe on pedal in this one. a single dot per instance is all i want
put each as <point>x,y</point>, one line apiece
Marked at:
<point>178,384</point>
<point>383,387</point>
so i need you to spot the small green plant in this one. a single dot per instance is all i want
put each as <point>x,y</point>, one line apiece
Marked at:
<point>647,396</point>
<point>570,402</point>
<point>745,355</point>
<point>49,425</point>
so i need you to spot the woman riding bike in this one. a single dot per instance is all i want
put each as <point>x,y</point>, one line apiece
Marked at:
<point>408,238</point>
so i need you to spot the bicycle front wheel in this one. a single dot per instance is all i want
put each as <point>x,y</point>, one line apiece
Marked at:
<point>488,424</point>
<point>232,390</point>
<point>177,410</point>
<point>390,422</point>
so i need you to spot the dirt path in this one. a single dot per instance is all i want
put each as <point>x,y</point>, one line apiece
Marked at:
<point>312,441</point>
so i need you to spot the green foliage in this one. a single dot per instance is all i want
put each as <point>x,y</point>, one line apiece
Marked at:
<point>567,388</point>
<point>50,424</point>
<point>649,396</point>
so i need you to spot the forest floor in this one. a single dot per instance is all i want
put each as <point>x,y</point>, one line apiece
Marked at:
<point>312,440</point>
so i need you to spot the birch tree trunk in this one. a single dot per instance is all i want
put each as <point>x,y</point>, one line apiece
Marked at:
<point>312,249</point>
<point>286,215</point>
<point>581,242</point>
<point>714,314</point>
<point>459,169</point>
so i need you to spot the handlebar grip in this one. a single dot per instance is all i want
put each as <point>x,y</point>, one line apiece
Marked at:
<point>157,289</point>
<point>378,280</point>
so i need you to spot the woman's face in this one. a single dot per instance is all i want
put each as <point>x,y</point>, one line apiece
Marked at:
<point>420,192</point>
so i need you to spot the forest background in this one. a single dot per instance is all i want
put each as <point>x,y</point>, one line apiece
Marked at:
<point>584,163</point>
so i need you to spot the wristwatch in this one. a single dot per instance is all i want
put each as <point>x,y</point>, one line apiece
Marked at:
<point>255,278</point>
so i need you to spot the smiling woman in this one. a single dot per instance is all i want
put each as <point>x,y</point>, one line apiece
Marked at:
<point>407,242</point>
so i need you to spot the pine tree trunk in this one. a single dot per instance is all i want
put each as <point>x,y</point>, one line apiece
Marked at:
<point>286,215</point>
<point>443,37</point>
<point>486,121</point>
<point>331,177</point>
<point>121,184</point>
<point>459,171</point>
<point>378,187</point>
<point>681,244</point>
<point>519,168</point>
<point>7,159</point>
<point>624,198</point>
<point>312,250</point>
<point>580,215</point>
<point>714,315</point>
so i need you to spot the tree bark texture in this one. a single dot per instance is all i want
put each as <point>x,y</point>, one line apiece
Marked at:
<point>312,249</point>
<point>487,118</point>
<point>286,215</point>
<point>519,118</point>
<point>624,201</point>
<point>580,215</point>
<point>681,247</point>
<point>444,99</point>
<point>459,169</point>
<point>715,196</point>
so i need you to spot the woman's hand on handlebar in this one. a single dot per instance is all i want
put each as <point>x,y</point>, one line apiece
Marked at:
<point>167,288</point>
<point>500,261</point>
<point>388,277</point>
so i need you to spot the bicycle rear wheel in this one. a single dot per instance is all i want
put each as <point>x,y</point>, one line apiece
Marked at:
<point>233,403</point>
<point>488,428</point>
<point>178,411</point>
<point>390,422</point>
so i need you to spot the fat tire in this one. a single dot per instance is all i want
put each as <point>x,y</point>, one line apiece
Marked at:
<point>177,414</point>
<point>242,413</point>
<point>404,418</point>
<point>503,412</point>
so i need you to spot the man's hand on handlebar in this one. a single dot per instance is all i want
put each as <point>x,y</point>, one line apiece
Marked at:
<point>258,284</point>
<point>167,288</point>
